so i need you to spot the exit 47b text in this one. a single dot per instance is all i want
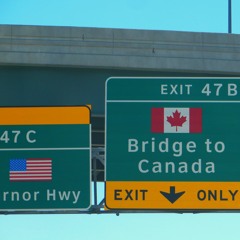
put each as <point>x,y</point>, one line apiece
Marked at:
<point>209,89</point>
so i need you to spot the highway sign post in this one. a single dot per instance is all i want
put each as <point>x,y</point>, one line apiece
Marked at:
<point>45,158</point>
<point>173,143</point>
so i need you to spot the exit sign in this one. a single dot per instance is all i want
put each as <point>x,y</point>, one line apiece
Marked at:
<point>45,158</point>
<point>173,143</point>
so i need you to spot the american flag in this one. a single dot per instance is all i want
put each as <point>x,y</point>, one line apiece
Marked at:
<point>30,169</point>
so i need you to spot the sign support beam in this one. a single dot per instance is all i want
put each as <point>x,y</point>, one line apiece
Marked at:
<point>229,16</point>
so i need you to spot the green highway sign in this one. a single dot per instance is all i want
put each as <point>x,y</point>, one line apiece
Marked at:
<point>45,158</point>
<point>173,143</point>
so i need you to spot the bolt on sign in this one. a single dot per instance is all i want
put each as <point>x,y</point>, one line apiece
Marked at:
<point>45,158</point>
<point>173,143</point>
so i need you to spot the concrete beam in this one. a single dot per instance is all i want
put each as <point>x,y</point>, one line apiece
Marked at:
<point>120,49</point>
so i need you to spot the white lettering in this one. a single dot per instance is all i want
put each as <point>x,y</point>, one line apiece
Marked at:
<point>132,145</point>
<point>163,146</point>
<point>64,195</point>
<point>76,196</point>
<point>197,167</point>
<point>210,168</point>
<point>164,89</point>
<point>191,146</point>
<point>232,89</point>
<point>51,195</point>
<point>140,168</point>
<point>26,196</point>
<point>144,143</point>
<point>177,89</point>
<point>17,196</point>
<point>29,139</point>
<point>157,167</point>
<point>5,196</point>
<point>177,149</point>
<point>219,147</point>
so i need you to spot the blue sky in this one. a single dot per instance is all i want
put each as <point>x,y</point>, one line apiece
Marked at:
<point>184,15</point>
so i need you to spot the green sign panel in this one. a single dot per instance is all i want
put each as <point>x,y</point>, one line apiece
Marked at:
<point>173,143</point>
<point>45,158</point>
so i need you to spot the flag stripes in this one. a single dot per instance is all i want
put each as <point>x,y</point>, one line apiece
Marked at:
<point>32,169</point>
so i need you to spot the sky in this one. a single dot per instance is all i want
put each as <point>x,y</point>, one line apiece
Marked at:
<point>184,15</point>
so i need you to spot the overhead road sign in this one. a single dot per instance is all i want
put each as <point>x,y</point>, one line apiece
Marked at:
<point>45,157</point>
<point>173,143</point>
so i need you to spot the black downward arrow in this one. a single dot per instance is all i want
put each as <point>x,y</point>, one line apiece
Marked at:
<point>172,196</point>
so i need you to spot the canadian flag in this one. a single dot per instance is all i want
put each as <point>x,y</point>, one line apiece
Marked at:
<point>176,120</point>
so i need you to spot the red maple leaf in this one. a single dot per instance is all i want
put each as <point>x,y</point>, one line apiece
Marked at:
<point>176,120</point>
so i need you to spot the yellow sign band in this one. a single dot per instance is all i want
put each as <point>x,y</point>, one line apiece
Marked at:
<point>172,195</point>
<point>44,115</point>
